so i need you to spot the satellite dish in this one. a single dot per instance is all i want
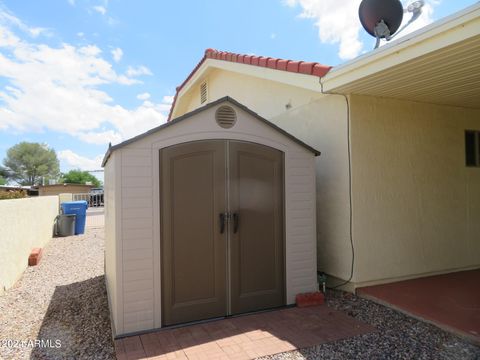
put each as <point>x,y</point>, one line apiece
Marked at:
<point>373,12</point>
<point>382,18</point>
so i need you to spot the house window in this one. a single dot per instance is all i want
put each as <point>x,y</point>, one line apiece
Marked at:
<point>472,148</point>
<point>203,92</point>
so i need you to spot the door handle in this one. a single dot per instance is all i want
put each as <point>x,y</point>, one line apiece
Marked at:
<point>222,222</point>
<point>236,220</point>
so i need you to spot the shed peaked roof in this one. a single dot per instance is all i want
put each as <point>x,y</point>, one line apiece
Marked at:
<point>203,108</point>
<point>294,66</point>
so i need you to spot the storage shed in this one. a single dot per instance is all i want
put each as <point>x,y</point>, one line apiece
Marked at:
<point>209,215</point>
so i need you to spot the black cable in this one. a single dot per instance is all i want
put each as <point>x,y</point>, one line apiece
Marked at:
<point>349,151</point>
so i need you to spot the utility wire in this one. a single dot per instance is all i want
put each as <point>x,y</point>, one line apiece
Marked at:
<point>349,151</point>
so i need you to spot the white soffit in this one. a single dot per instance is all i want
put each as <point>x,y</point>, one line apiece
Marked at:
<point>437,64</point>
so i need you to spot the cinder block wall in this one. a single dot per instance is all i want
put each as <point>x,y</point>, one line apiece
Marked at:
<point>24,224</point>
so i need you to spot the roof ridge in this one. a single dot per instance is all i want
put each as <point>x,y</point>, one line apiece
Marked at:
<point>295,66</point>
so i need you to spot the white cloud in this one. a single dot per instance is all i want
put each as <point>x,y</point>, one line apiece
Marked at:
<point>117,54</point>
<point>102,137</point>
<point>100,9</point>
<point>112,22</point>
<point>74,161</point>
<point>337,22</point>
<point>7,38</point>
<point>71,2</point>
<point>58,89</point>
<point>167,99</point>
<point>80,34</point>
<point>9,20</point>
<point>143,96</point>
<point>138,71</point>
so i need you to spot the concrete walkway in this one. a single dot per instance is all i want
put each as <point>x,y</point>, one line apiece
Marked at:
<point>450,301</point>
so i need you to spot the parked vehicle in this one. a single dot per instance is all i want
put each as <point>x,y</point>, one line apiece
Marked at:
<point>96,197</point>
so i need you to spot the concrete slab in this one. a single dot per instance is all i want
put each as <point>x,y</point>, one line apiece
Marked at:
<point>450,301</point>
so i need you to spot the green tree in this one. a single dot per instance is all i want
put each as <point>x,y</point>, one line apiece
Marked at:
<point>3,175</point>
<point>80,177</point>
<point>27,163</point>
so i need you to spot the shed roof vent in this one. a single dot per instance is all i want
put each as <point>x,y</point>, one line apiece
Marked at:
<point>225,116</point>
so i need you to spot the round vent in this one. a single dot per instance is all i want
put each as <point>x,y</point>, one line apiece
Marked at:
<point>226,117</point>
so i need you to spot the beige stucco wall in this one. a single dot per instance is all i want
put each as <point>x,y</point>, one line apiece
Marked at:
<point>267,98</point>
<point>323,124</point>
<point>416,206</point>
<point>65,197</point>
<point>24,224</point>
<point>137,236</point>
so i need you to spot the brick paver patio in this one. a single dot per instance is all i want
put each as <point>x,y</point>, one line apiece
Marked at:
<point>244,337</point>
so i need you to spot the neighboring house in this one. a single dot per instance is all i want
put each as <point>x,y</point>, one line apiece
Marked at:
<point>398,181</point>
<point>57,189</point>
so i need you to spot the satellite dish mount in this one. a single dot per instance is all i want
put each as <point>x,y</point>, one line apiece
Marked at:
<point>382,18</point>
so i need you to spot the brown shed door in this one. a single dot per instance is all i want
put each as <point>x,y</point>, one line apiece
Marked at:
<point>210,270</point>
<point>256,241</point>
<point>193,249</point>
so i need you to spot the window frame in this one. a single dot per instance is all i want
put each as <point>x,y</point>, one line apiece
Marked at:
<point>476,149</point>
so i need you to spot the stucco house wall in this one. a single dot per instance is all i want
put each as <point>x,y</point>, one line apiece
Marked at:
<point>323,123</point>
<point>416,206</point>
<point>267,98</point>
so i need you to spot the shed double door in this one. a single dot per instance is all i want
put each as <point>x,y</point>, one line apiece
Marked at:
<point>222,237</point>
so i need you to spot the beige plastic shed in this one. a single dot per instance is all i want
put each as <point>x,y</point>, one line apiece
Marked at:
<point>209,215</point>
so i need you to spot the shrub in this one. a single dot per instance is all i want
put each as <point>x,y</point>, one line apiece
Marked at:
<point>12,194</point>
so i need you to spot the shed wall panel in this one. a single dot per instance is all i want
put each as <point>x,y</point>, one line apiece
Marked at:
<point>111,264</point>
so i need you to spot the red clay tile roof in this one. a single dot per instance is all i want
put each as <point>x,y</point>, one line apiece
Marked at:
<point>301,67</point>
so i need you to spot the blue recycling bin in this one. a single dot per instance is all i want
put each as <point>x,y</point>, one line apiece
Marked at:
<point>79,209</point>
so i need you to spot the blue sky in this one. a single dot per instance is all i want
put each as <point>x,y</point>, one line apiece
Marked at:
<point>76,74</point>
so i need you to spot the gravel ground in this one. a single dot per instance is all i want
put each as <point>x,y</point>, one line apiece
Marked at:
<point>397,337</point>
<point>62,300</point>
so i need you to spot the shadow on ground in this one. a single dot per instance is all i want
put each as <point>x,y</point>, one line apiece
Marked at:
<point>245,336</point>
<point>78,320</point>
